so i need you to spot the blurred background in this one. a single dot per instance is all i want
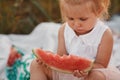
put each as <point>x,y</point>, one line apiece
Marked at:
<point>22,16</point>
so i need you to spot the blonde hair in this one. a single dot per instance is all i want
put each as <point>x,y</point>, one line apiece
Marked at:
<point>102,5</point>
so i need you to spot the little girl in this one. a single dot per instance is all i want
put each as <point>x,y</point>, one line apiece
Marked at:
<point>83,34</point>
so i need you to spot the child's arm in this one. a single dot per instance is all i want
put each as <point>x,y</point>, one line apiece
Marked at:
<point>104,50</point>
<point>61,43</point>
<point>103,54</point>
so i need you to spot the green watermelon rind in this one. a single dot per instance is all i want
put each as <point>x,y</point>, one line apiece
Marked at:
<point>50,66</point>
<point>61,70</point>
<point>34,53</point>
<point>69,72</point>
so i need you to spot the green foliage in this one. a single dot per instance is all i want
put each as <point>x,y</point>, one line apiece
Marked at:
<point>115,7</point>
<point>22,16</point>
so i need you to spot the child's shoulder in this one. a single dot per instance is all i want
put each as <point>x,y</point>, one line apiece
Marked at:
<point>62,27</point>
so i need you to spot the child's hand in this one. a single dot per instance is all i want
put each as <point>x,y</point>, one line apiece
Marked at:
<point>79,74</point>
<point>40,62</point>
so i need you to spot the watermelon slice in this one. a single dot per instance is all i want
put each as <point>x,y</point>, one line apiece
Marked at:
<point>65,63</point>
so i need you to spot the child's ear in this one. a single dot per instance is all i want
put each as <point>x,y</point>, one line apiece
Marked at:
<point>100,11</point>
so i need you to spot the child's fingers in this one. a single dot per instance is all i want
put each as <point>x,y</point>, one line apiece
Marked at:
<point>76,73</point>
<point>79,74</point>
<point>83,73</point>
<point>37,60</point>
<point>40,62</point>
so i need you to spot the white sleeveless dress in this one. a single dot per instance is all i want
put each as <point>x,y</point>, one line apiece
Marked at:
<point>85,46</point>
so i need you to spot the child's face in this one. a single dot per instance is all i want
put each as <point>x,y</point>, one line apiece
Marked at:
<point>80,18</point>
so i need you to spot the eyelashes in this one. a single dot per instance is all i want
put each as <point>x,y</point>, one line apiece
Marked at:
<point>81,19</point>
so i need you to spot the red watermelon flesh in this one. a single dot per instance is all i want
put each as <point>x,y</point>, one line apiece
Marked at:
<point>65,63</point>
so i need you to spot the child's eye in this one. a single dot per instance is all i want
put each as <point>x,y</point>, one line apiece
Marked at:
<point>83,19</point>
<point>70,18</point>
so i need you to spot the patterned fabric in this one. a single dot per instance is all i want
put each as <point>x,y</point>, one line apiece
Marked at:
<point>20,69</point>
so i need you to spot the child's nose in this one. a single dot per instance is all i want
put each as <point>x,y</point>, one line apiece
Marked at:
<point>77,23</point>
